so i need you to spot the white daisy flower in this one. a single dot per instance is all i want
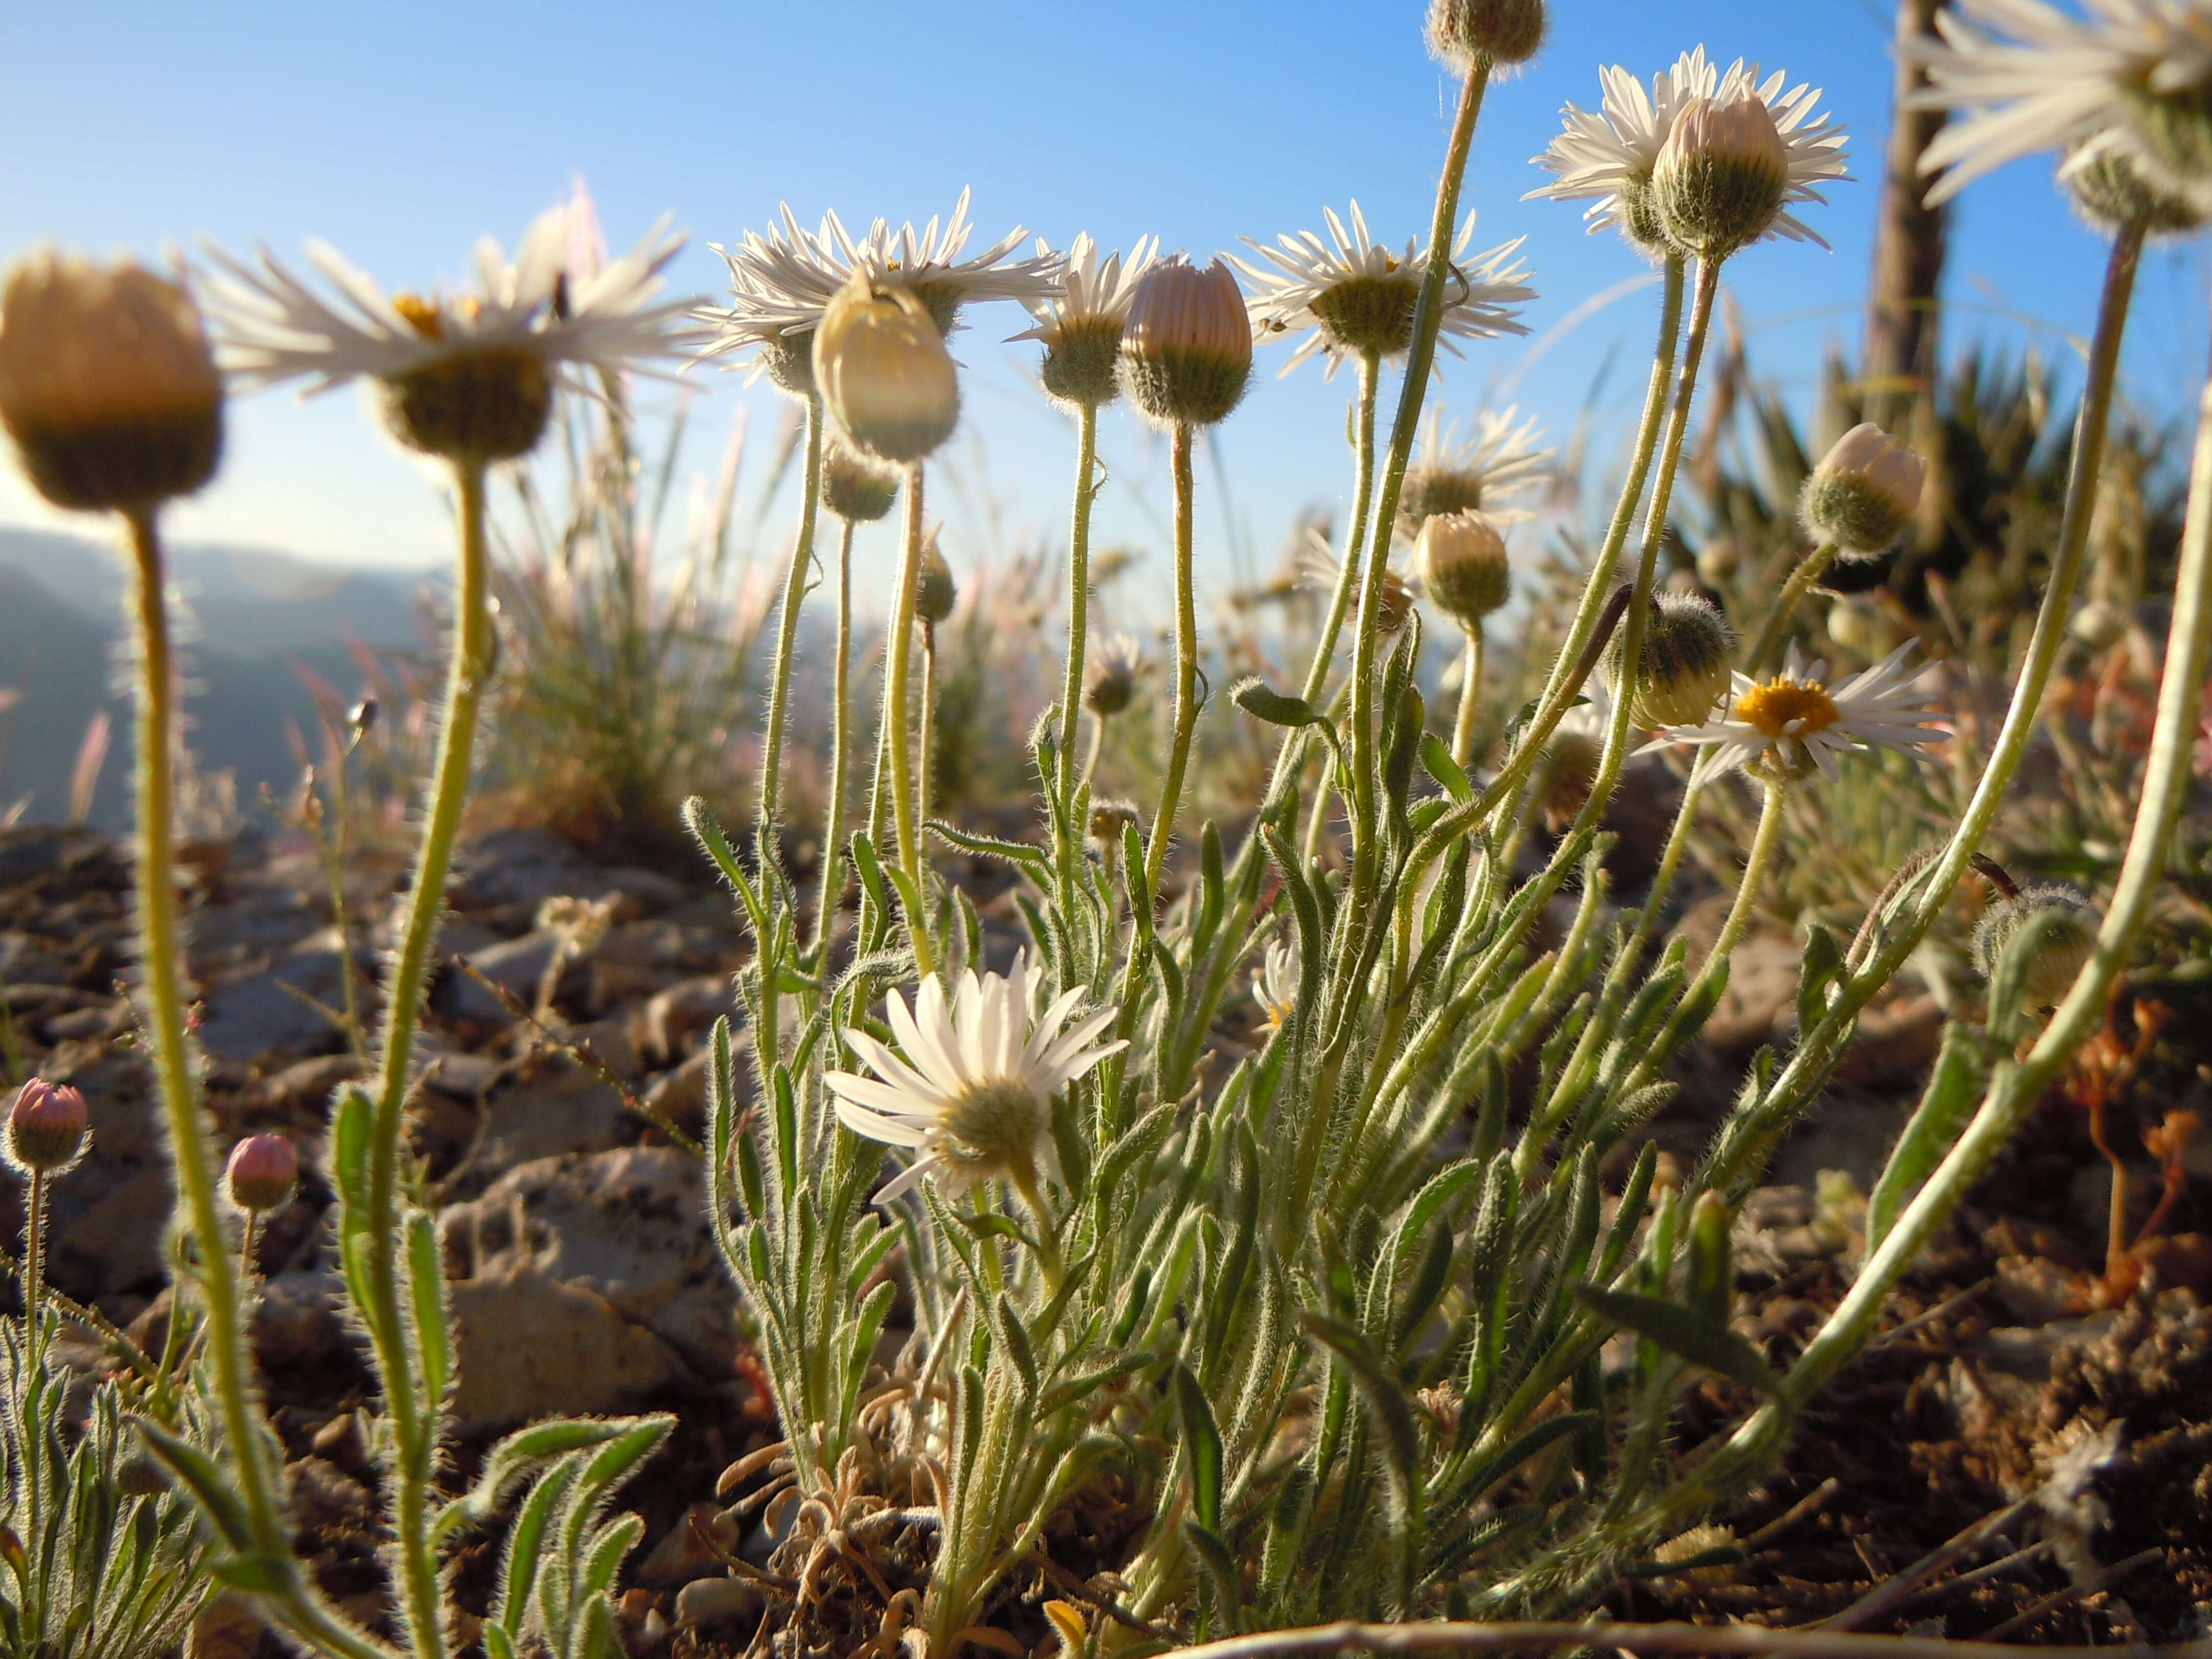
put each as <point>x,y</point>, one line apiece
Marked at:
<point>560,301</point>
<point>1080,322</point>
<point>1275,986</point>
<point>970,1086</point>
<point>2129,79</point>
<point>1607,158</point>
<point>780,284</point>
<point>1358,296</point>
<point>929,263</point>
<point>1498,460</point>
<point>1789,727</point>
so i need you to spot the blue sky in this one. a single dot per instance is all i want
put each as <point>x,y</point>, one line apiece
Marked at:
<point>401,131</point>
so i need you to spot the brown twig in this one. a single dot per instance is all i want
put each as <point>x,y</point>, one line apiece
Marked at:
<point>2096,1581</point>
<point>1105,1604</point>
<point>1811,1502</point>
<point>1892,1592</point>
<point>1949,1304</point>
<point>1444,1637</point>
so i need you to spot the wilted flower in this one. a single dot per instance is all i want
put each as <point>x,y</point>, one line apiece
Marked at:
<point>2063,942</point>
<point>1463,568</point>
<point>1682,669</point>
<point>1608,158</point>
<point>1187,346</point>
<point>1111,677</point>
<point>856,488</point>
<point>1864,492</point>
<point>2131,80</point>
<point>970,1086</point>
<point>1358,297</point>
<point>106,383</point>
<point>1789,726</point>
<point>470,378</point>
<point>884,374</point>
<point>1498,461</point>
<point>1080,322</point>
<point>1108,819</point>
<point>47,1128</point>
<point>263,1172</point>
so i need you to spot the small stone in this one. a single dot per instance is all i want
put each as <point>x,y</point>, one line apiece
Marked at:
<point>680,1095</point>
<point>678,1014</point>
<point>529,1346</point>
<point>710,1600</point>
<point>564,1110</point>
<point>516,966</point>
<point>296,1322</point>
<point>308,1085</point>
<point>281,1010</point>
<point>324,1495</point>
<point>685,1551</point>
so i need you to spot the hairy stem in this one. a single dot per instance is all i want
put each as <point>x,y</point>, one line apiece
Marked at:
<point>1761,658</point>
<point>1470,696</point>
<point>1186,699</point>
<point>898,662</point>
<point>1078,629</point>
<point>829,884</point>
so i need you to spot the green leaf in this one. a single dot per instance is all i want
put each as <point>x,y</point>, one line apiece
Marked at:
<point>1220,1568</point>
<point>1687,1334</point>
<point>426,1284</point>
<point>1954,1088</point>
<point>216,1492</point>
<point>1016,853</point>
<point>1201,1439</point>
<point>1823,963</point>
<point>1436,761</point>
<point>1015,1340</point>
<point>1276,708</point>
<point>256,1575</point>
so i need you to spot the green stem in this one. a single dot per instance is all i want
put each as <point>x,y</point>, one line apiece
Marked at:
<point>926,765</point>
<point>1470,696</point>
<point>1091,760</point>
<point>898,662</point>
<point>1186,699</point>
<point>1760,659</point>
<point>786,638</point>
<point>829,884</point>
<point>1355,541</point>
<point>1078,628</point>
<point>35,1250</point>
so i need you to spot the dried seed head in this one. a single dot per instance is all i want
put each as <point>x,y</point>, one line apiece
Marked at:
<point>884,374</point>
<point>1864,492</point>
<point>1721,176</point>
<point>856,488</point>
<point>263,1171</point>
<point>106,383</point>
<point>1460,32</point>
<point>47,1128</point>
<point>2064,944</point>
<point>1683,668</point>
<point>1463,567</point>
<point>1186,347</point>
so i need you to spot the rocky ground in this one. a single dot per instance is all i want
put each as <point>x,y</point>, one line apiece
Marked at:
<point>583,1278</point>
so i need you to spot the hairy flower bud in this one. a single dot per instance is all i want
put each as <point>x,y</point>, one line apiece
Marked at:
<point>106,383</point>
<point>1462,32</point>
<point>1721,176</point>
<point>47,1128</point>
<point>854,487</point>
<point>1864,492</point>
<point>1683,668</point>
<point>935,592</point>
<point>1565,774</point>
<point>1081,357</point>
<point>1110,681</point>
<point>1463,568</point>
<point>2063,944</point>
<point>885,376</point>
<point>264,1170</point>
<point>1187,346</point>
<point>1108,819</point>
<point>2113,191</point>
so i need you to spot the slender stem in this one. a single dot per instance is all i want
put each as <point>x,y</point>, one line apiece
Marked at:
<point>898,662</point>
<point>1639,468</point>
<point>1186,699</point>
<point>1761,657</point>
<point>1079,616</point>
<point>1423,1636</point>
<point>1091,760</point>
<point>1470,696</point>
<point>34,1249</point>
<point>1355,541</point>
<point>249,1244</point>
<point>829,884</point>
<point>415,1432</point>
<point>786,638</point>
<point>925,764</point>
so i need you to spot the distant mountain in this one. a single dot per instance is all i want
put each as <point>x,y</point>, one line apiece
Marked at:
<point>255,619</point>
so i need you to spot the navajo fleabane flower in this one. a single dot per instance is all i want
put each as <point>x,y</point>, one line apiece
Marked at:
<point>1319,570</point>
<point>2132,78</point>
<point>106,383</point>
<point>471,377</point>
<point>1864,492</point>
<point>856,487</point>
<point>2066,929</point>
<point>1785,728</point>
<point>47,1126</point>
<point>1607,158</point>
<point>935,592</point>
<point>780,284</point>
<point>1498,461</point>
<point>1682,665</point>
<point>970,1086</point>
<point>1358,297</point>
<point>1721,177</point>
<point>1275,986</point>
<point>1080,321</point>
<point>1187,346</point>
<point>928,263</point>
<point>885,377</point>
<point>1463,564</point>
<point>1495,31</point>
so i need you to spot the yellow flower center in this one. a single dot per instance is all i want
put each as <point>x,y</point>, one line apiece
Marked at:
<point>426,317</point>
<point>1786,708</point>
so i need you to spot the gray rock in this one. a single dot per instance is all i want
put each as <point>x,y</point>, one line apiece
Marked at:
<point>116,1242</point>
<point>275,1010</point>
<point>530,1346</point>
<point>561,1110</point>
<point>515,965</point>
<point>25,960</point>
<point>710,1600</point>
<point>518,870</point>
<point>675,1015</point>
<point>630,1225</point>
<point>297,1321</point>
<point>308,1083</point>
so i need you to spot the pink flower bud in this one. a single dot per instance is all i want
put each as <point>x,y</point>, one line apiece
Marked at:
<point>264,1170</point>
<point>46,1127</point>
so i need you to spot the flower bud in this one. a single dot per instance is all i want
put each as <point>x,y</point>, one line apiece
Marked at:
<point>1864,492</point>
<point>1683,669</point>
<point>1081,354</point>
<point>2100,624</point>
<point>1429,491</point>
<point>1461,559</point>
<point>934,590</point>
<point>1110,681</point>
<point>1462,32</point>
<point>884,371</point>
<point>1187,346</point>
<point>2063,946</point>
<point>790,362</point>
<point>1108,818</point>
<point>2114,191</point>
<point>106,383</point>
<point>264,1170</point>
<point>857,488</point>
<point>1718,560</point>
<point>47,1128</point>
<point>1566,772</point>
<point>1854,627</point>
<point>1721,176</point>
